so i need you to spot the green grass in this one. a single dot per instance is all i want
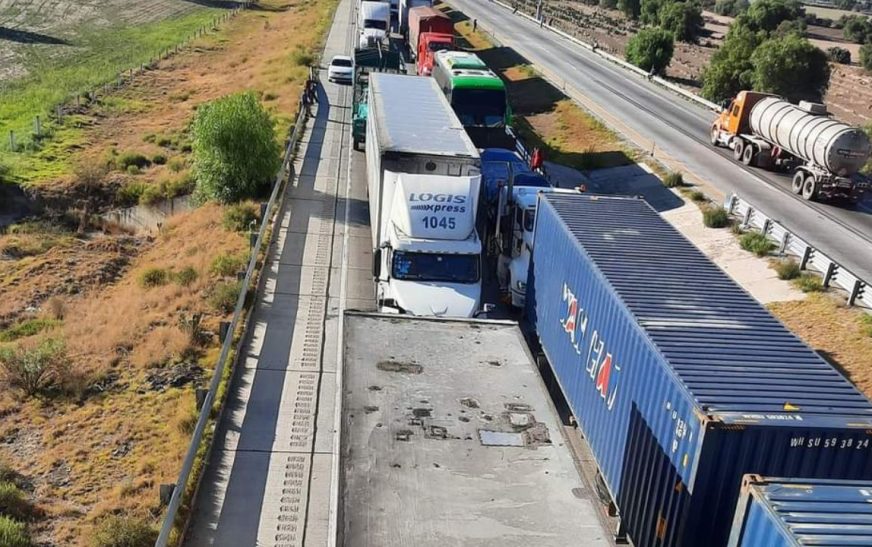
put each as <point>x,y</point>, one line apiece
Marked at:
<point>25,328</point>
<point>715,217</point>
<point>809,282</point>
<point>787,269</point>
<point>104,55</point>
<point>756,242</point>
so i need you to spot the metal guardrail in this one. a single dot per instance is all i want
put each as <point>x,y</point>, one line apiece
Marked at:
<point>267,210</point>
<point>810,258</point>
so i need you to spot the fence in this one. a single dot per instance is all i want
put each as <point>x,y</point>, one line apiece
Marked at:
<point>267,211</point>
<point>810,258</point>
<point>56,114</point>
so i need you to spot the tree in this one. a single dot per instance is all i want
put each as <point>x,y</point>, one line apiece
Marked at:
<point>608,4</point>
<point>731,8</point>
<point>866,56</point>
<point>791,26</point>
<point>651,49</point>
<point>650,11</point>
<point>235,149</point>
<point>839,55</point>
<point>768,14</point>
<point>730,69</point>
<point>682,19</point>
<point>792,67</point>
<point>857,29</point>
<point>631,8</point>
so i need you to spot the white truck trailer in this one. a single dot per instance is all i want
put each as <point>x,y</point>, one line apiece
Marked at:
<point>448,437</point>
<point>423,179</point>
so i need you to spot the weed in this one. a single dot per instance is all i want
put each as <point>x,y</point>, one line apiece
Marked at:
<point>56,307</point>
<point>115,531</point>
<point>737,229</point>
<point>226,265</point>
<point>28,327</point>
<point>7,474</point>
<point>787,269</point>
<point>673,180</point>
<point>865,326</point>
<point>186,276</point>
<point>176,164</point>
<point>239,216</point>
<point>192,325</point>
<point>13,502</point>
<point>158,159</point>
<point>180,186</point>
<point>186,421</point>
<point>302,56</point>
<point>224,296</point>
<point>34,368</point>
<point>13,533</point>
<point>756,242</point>
<point>153,277</point>
<point>150,138</point>
<point>151,195</point>
<point>133,170</point>
<point>270,96</point>
<point>715,217</point>
<point>809,282</point>
<point>698,197</point>
<point>165,142</point>
<point>125,160</point>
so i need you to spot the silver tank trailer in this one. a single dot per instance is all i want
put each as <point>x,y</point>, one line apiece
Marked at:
<point>820,140</point>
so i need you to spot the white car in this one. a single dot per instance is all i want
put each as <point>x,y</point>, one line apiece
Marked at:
<point>341,69</point>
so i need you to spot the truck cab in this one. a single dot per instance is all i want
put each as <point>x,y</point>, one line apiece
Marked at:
<point>428,44</point>
<point>373,23</point>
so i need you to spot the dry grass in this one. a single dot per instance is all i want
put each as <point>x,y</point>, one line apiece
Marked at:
<point>838,332</point>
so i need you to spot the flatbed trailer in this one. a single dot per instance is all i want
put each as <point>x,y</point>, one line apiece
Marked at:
<point>449,437</point>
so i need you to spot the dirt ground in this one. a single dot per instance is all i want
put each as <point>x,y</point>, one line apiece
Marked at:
<point>121,424</point>
<point>849,97</point>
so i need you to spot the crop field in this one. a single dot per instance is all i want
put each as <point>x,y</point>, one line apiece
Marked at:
<point>52,50</point>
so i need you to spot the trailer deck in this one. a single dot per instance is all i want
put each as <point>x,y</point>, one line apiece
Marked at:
<point>449,437</point>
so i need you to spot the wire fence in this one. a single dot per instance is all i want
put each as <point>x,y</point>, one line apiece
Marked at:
<point>188,483</point>
<point>809,257</point>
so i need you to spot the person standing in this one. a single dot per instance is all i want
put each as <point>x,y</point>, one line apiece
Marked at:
<point>474,25</point>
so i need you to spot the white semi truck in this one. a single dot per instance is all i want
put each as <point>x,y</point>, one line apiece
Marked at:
<point>373,23</point>
<point>423,180</point>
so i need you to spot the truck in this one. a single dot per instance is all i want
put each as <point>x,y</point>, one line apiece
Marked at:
<point>372,59</point>
<point>423,179</point>
<point>824,154</point>
<point>778,512</point>
<point>373,23</point>
<point>427,19</point>
<point>428,44</point>
<point>405,7</point>
<point>679,380</point>
<point>447,436</point>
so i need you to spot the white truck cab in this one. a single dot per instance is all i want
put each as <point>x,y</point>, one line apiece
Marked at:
<point>373,23</point>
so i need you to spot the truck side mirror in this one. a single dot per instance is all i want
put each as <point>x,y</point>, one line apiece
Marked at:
<point>376,262</point>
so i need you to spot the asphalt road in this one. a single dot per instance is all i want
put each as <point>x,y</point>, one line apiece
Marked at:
<point>678,132</point>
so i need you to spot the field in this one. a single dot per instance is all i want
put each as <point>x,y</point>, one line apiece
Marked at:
<point>136,314</point>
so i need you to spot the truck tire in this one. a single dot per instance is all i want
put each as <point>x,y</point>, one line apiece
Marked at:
<point>738,149</point>
<point>810,189</point>
<point>355,144</point>
<point>798,182</point>
<point>748,154</point>
<point>715,136</point>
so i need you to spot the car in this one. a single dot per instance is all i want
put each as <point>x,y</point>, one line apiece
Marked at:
<point>341,69</point>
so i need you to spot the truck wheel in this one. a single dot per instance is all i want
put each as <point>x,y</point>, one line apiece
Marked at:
<point>738,149</point>
<point>748,155</point>
<point>810,189</point>
<point>715,136</point>
<point>798,181</point>
<point>355,144</point>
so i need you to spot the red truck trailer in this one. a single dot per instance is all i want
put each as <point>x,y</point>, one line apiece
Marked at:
<point>426,19</point>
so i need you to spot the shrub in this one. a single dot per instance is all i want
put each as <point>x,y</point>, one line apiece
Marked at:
<point>150,138</point>
<point>164,142</point>
<point>186,276</point>
<point>226,265</point>
<point>153,277</point>
<point>651,49</point>
<point>28,327</point>
<point>152,194</point>
<point>125,160</point>
<point>698,196</point>
<point>238,217</point>
<point>158,159</point>
<point>857,29</point>
<point>13,502</point>
<point>176,164</point>
<point>224,296</point>
<point>682,19</point>
<point>130,193</point>
<point>235,150</point>
<point>302,56</point>
<point>866,56</point>
<point>839,55</point>
<point>56,307</point>
<point>715,217</point>
<point>787,269</point>
<point>34,368</point>
<point>134,170</point>
<point>809,282</point>
<point>730,8</point>
<point>13,533</point>
<point>118,531</point>
<point>673,180</point>
<point>756,242</point>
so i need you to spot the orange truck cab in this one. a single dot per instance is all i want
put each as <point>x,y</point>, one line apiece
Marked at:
<point>428,44</point>
<point>734,118</point>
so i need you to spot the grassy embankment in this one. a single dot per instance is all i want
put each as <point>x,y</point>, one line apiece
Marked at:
<point>133,318</point>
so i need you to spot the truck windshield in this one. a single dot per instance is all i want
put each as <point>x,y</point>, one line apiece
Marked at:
<point>439,46</point>
<point>529,219</point>
<point>375,23</point>
<point>435,267</point>
<point>480,107</point>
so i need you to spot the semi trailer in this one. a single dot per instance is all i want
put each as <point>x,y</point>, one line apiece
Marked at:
<point>427,19</point>
<point>423,181</point>
<point>825,155</point>
<point>448,437</point>
<point>405,7</point>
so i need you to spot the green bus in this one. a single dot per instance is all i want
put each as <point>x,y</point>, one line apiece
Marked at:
<point>477,95</point>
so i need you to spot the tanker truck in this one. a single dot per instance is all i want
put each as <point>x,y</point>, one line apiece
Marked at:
<point>824,154</point>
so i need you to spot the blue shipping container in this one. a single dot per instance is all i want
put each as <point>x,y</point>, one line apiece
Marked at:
<point>794,512</point>
<point>680,381</point>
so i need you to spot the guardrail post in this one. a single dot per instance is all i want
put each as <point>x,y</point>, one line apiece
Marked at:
<point>746,221</point>
<point>166,492</point>
<point>856,292</point>
<point>766,225</point>
<point>223,330</point>
<point>782,248</point>
<point>200,396</point>
<point>806,256</point>
<point>731,203</point>
<point>832,268</point>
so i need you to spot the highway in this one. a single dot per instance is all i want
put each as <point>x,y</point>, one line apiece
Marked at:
<point>654,118</point>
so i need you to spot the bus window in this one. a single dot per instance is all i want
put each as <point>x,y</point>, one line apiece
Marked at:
<point>482,107</point>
